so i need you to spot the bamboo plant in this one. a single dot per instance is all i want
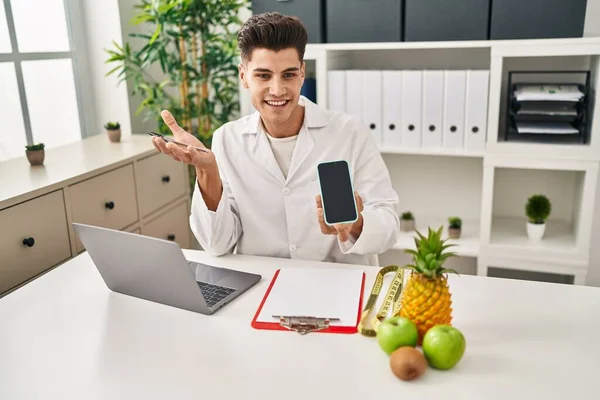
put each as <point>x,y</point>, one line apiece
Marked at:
<point>194,43</point>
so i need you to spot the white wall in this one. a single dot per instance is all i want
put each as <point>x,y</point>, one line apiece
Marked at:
<point>102,25</point>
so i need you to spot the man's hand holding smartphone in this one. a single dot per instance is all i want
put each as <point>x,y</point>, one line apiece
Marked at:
<point>343,230</point>
<point>207,171</point>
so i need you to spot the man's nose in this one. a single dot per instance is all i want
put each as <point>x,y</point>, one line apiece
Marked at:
<point>277,88</point>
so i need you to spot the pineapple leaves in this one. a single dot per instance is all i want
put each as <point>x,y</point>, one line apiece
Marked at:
<point>430,253</point>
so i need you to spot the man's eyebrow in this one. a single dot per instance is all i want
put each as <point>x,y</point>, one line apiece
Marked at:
<point>268,70</point>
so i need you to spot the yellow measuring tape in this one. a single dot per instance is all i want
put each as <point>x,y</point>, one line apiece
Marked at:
<point>392,297</point>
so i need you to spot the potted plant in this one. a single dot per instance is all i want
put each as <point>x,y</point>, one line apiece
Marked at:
<point>407,222</point>
<point>35,153</point>
<point>454,227</point>
<point>113,130</point>
<point>537,209</point>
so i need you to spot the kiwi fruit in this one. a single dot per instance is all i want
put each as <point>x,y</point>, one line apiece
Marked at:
<point>407,363</point>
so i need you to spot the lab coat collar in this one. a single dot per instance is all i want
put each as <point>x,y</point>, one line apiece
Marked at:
<point>314,117</point>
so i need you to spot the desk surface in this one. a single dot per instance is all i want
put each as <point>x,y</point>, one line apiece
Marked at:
<point>66,336</point>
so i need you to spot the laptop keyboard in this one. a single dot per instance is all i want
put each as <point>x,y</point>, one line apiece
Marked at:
<point>213,293</point>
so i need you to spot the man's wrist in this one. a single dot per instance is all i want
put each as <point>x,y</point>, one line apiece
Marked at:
<point>210,185</point>
<point>357,228</point>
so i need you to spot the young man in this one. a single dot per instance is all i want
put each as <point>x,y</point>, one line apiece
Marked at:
<point>257,190</point>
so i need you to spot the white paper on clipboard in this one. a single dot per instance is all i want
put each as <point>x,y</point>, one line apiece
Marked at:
<point>315,292</point>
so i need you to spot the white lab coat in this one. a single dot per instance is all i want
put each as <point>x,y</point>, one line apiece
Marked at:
<point>263,213</point>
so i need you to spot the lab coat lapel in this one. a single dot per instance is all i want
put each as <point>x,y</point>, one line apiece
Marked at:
<point>263,153</point>
<point>314,117</point>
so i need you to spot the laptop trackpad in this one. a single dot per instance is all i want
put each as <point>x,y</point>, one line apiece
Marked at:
<point>208,274</point>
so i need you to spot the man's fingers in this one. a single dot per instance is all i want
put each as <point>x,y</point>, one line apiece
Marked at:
<point>179,152</point>
<point>160,145</point>
<point>319,202</point>
<point>359,202</point>
<point>171,122</point>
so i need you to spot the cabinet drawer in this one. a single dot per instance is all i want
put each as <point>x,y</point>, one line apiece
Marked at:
<point>44,222</point>
<point>173,225</point>
<point>107,200</point>
<point>160,180</point>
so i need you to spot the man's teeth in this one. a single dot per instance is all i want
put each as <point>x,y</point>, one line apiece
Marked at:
<point>276,103</point>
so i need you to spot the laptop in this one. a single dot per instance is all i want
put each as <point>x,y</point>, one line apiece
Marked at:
<point>157,270</point>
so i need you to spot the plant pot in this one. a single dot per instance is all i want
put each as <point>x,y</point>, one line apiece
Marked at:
<point>407,225</point>
<point>454,233</point>
<point>535,232</point>
<point>35,157</point>
<point>114,135</point>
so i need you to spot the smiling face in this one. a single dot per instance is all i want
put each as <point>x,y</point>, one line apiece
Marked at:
<point>274,79</point>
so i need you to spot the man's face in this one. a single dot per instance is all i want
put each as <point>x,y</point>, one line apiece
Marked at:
<point>274,80</point>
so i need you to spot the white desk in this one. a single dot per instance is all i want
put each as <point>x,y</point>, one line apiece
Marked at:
<point>66,336</point>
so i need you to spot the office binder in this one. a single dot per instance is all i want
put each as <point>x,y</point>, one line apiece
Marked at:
<point>412,83</point>
<point>336,91</point>
<point>392,109</point>
<point>354,94</point>
<point>312,300</point>
<point>476,105</point>
<point>433,103</point>
<point>371,104</point>
<point>454,109</point>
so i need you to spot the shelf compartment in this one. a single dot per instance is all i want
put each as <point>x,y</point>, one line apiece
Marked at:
<point>552,64</point>
<point>571,191</point>
<point>434,188</point>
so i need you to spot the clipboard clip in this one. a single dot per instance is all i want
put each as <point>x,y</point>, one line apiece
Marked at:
<point>304,324</point>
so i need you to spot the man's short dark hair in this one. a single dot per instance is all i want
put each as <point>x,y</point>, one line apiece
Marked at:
<point>272,31</point>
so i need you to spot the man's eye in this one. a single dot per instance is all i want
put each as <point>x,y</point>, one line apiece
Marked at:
<point>289,75</point>
<point>263,76</point>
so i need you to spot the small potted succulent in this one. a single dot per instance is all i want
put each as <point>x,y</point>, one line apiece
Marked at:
<point>537,209</point>
<point>35,153</point>
<point>407,222</point>
<point>113,130</point>
<point>454,227</point>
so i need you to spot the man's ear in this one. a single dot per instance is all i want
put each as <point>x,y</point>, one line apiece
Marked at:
<point>243,75</point>
<point>303,69</point>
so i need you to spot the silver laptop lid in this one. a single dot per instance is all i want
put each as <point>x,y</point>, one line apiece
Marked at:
<point>143,267</point>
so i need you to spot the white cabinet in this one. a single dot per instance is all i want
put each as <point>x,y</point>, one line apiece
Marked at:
<point>125,186</point>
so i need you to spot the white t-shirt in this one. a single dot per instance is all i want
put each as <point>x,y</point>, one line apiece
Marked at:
<point>283,149</point>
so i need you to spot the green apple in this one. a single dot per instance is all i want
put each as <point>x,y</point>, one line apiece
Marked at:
<point>396,332</point>
<point>443,346</point>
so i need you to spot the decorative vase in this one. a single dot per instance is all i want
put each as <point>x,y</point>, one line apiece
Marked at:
<point>407,225</point>
<point>454,233</point>
<point>36,157</point>
<point>535,232</point>
<point>114,135</point>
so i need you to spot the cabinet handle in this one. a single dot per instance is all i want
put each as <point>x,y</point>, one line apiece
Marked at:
<point>171,237</point>
<point>392,127</point>
<point>411,127</point>
<point>475,129</point>
<point>432,128</point>
<point>110,205</point>
<point>166,178</point>
<point>452,128</point>
<point>372,126</point>
<point>29,242</point>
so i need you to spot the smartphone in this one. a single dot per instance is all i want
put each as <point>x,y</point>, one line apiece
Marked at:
<point>337,192</point>
<point>168,139</point>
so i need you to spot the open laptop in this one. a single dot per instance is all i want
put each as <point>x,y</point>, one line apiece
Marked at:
<point>156,270</point>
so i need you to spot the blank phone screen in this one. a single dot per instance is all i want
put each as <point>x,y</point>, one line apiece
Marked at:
<point>337,193</point>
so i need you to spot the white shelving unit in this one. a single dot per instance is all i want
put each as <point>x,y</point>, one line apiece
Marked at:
<point>488,187</point>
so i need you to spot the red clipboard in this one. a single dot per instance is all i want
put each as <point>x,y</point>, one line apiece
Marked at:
<point>331,329</point>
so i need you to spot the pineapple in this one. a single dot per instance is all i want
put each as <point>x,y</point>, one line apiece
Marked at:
<point>426,299</point>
